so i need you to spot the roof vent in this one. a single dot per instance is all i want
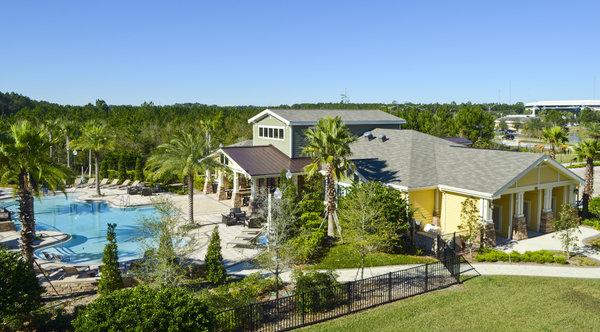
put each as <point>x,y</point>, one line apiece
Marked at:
<point>383,138</point>
<point>368,135</point>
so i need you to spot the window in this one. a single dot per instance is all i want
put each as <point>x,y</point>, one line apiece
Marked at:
<point>271,132</point>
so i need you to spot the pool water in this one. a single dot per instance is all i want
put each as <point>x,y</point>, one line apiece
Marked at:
<point>86,223</point>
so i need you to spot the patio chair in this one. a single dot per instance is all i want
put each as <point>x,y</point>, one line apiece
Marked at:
<point>90,183</point>
<point>114,183</point>
<point>147,191</point>
<point>134,190</point>
<point>124,184</point>
<point>73,270</point>
<point>135,183</point>
<point>241,243</point>
<point>103,182</point>
<point>229,220</point>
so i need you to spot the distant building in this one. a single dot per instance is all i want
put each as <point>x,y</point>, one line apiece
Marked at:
<point>513,119</point>
<point>564,105</point>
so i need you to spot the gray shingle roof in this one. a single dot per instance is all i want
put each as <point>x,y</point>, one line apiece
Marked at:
<point>413,159</point>
<point>308,117</point>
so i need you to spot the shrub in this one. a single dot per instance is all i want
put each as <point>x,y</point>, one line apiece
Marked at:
<point>19,290</point>
<point>145,308</point>
<point>594,206</point>
<point>237,295</point>
<point>316,291</point>
<point>594,223</point>
<point>308,246</point>
<point>215,270</point>
<point>139,169</point>
<point>110,279</point>
<point>539,256</point>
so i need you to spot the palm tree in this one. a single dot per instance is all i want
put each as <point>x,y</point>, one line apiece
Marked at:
<point>555,136</point>
<point>95,138</point>
<point>185,156</point>
<point>24,160</point>
<point>328,144</point>
<point>593,130</point>
<point>67,128</point>
<point>588,150</point>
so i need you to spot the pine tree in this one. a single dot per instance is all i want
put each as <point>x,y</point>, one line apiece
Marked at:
<point>215,270</point>
<point>110,277</point>
<point>139,169</point>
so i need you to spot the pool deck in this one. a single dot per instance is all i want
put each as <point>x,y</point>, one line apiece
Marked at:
<point>207,215</point>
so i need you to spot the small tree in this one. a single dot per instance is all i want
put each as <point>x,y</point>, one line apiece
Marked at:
<point>162,264</point>
<point>362,226</point>
<point>566,227</point>
<point>20,293</point>
<point>215,270</point>
<point>110,278</point>
<point>470,222</point>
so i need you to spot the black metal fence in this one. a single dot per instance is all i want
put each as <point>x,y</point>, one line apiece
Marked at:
<point>322,304</point>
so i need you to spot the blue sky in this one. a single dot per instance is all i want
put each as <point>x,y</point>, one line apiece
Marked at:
<point>283,52</point>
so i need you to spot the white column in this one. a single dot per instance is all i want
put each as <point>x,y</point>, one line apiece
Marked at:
<point>236,181</point>
<point>485,211</point>
<point>511,210</point>
<point>570,194</point>
<point>253,183</point>
<point>547,200</point>
<point>519,201</point>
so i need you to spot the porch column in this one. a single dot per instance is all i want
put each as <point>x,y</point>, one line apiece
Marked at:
<point>489,231</point>
<point>235,193</point>
<point>253,185</point>
<point>519,221</point>
<point>236,182</point>
<point>221,195</point>
<point>547,215</point>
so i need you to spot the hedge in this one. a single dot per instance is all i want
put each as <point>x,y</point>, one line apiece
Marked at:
<point>539,256</point>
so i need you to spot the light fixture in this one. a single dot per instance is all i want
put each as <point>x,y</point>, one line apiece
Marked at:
<point>288,174</point>
<point>75,152</point>
<point>277,194</point>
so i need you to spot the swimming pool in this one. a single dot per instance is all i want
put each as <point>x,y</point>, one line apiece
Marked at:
<point>86,223</point>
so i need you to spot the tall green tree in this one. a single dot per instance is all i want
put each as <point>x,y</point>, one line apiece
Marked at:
<point>96,138</point>
<point>328,144</point>
<point>24,160</point>
<point>215,270</point>
<point>588,150</point>
<point>474,123</point>
<point>566,226</point>
<point>110,278</point>
<point>555,136</point>
<point>470,222</point>
<point>185,156</point>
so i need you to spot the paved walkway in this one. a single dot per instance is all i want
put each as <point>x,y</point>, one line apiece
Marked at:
<point>537,270</point>
<point>551,242</point>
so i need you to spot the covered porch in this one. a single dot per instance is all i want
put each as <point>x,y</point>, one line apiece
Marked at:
<point>252,170</point>
<point>523,212</point>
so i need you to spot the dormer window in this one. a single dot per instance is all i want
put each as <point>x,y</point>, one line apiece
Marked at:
<point>271,132</point>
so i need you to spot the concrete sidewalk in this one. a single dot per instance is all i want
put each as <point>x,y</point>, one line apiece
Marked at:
<point>537,270</point>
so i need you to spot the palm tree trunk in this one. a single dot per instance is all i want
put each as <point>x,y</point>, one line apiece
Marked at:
<point>26,217</point>
<point>330,202</point>
<point>67,141</point>
<point>206,181</point>
<point>552,151</point>
<point>588,188</point>
<point>191,196</point>
<point>97,172</point>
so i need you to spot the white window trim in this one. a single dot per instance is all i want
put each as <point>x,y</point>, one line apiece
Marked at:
<point>274,127</point>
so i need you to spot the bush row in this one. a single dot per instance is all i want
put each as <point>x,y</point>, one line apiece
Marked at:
<point>539,256</point>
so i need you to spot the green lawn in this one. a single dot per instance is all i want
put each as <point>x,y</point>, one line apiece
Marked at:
<point>487,304</point>
<point>344,256</point>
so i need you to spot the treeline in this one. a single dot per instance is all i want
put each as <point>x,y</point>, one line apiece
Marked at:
<point>140,129</point>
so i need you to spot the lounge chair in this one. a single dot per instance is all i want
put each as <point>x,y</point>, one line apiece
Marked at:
<point>135,183</point>
<point>103,182</point>
<point>114,183</point>
<point>124,184</point>
<point>73,270</point>
<point>91,183</point>
<point>241,243</point>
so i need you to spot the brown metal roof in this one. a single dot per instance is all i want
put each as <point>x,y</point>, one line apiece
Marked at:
<point>264,160</point>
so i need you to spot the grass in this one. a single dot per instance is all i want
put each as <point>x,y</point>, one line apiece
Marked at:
<point>344,256</point>
<point>491,303</point>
